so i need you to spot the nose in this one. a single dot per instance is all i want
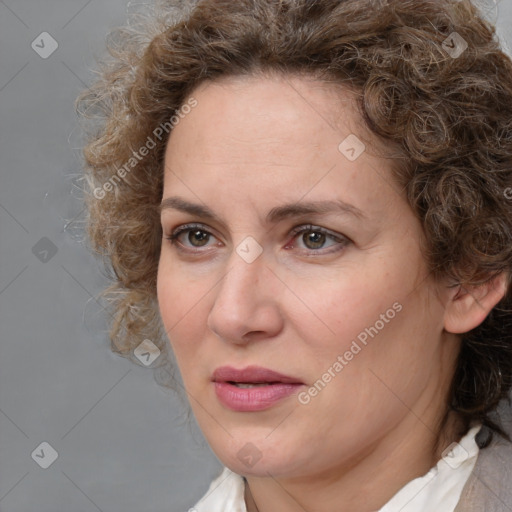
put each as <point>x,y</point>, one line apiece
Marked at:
<point>246,306</point>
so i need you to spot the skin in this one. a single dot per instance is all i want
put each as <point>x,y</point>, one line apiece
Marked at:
<point>252,144</point>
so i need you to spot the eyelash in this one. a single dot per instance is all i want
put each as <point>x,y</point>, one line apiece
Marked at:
<point>173,237</point>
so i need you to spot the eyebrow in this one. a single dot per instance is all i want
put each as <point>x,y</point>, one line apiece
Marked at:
<point>275,215</point>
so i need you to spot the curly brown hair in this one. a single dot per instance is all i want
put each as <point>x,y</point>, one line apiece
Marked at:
<point>449,114</point>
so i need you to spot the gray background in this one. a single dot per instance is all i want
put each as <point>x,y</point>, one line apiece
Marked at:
<point>123,442</point>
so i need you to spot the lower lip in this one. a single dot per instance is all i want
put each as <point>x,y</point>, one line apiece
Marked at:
<point>253,399</point>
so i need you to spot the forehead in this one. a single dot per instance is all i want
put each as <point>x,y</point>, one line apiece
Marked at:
<point>281,133</point>
<point>269,110</point>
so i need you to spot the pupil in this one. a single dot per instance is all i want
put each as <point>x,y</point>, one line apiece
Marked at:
<point>197,235</point>
<point>317,239</point>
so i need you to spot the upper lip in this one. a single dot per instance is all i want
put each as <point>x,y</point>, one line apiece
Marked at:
<point>251,374</point>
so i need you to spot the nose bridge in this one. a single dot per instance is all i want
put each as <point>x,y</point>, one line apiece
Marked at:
<point>241,285</point>
<point>243,302</point>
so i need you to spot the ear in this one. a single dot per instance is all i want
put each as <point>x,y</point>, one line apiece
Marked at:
<point>467,307</point>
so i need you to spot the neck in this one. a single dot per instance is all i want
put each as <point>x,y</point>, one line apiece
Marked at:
<point>364,485</point>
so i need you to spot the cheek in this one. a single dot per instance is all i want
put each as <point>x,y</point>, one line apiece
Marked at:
<point>382,358</point>
<point>343,307</point>
<point>180,300</point>
<point>372,319</point>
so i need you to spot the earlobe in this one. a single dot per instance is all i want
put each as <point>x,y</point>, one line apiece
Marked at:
<point>469,306</point>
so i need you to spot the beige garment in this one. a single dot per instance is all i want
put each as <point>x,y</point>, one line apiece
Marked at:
<point>489,487</point>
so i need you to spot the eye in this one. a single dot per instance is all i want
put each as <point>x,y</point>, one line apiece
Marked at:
<point>197,236</point>
<point>192,237</point>
<point>315,237</point>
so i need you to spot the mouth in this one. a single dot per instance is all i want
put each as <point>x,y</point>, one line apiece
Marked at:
<point>251,376</point>
<point>248,385</point>
<point>253,388</point>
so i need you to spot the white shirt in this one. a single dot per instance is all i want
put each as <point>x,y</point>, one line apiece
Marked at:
<point>439,489</point>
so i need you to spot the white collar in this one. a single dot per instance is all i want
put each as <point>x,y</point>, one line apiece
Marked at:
<point>439,489</point>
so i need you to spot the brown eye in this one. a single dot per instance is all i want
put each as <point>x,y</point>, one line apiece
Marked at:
<point>314,238</point>
<point>198,235</point>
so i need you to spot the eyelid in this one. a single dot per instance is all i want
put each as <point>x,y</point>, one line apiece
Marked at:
<point>186,227</point>
<point>312,227</point>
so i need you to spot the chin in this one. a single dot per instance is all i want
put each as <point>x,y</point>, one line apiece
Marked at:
<point>260,459</point>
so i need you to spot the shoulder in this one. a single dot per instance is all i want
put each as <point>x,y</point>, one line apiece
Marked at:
<point>225,494</point>
<point>489,486</point>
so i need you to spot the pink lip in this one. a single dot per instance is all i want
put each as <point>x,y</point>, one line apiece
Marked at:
<point>252,399</point>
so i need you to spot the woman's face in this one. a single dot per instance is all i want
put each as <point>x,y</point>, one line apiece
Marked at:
<point>301,258</point>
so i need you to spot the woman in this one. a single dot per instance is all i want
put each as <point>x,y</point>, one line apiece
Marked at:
<point>311,201</point>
